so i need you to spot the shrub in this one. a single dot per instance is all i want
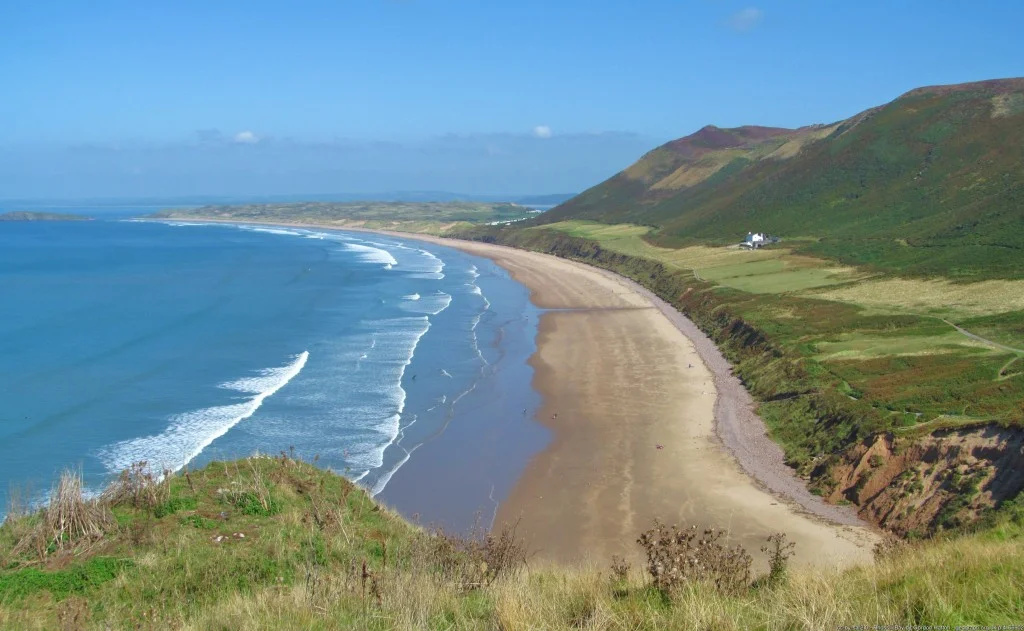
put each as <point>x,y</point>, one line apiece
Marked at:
<point>779,552</point>
<point>68,519</point>
<point>138,487</point>
<point>620,568</point>
<point>678,556</point>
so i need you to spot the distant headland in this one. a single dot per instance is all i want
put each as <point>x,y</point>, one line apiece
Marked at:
<point>24,215</point>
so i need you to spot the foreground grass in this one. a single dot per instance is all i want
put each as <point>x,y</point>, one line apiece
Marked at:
<point>274,543</point>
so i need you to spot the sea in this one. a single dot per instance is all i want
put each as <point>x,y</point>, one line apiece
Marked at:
<point>178,343</point>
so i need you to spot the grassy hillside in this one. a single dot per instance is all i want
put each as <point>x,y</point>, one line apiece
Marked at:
<point>929,184</point>
<point>428,217</point>
<point>274,543</point>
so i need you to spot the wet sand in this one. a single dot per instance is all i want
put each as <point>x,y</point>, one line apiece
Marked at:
<point>647,422</point>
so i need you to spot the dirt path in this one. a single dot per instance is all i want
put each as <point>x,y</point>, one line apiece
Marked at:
<point>977,337</point>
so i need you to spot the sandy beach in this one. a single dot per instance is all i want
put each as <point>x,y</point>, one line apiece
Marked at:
<point>647,422</point>
<point>632,405</point>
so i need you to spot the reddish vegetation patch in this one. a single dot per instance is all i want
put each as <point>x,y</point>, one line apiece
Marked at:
<point>998,86</point>
<point>711,138</point>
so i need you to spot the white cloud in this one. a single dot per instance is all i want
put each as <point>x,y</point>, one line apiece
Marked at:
<point>542,131</point>
<point>246,138</point>
<point>746,19</point>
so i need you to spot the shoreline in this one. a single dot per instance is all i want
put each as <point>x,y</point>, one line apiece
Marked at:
<point>611,368</point>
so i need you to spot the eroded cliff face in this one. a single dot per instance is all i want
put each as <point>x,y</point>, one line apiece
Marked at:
<point>918,485</point>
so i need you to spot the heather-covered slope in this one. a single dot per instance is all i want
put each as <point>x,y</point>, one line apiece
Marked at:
<point>931,183</point>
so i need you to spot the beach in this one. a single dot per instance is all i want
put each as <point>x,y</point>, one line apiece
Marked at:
<point>631,404</point>
<point>647,422</point>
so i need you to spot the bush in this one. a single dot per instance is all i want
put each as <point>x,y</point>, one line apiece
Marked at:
<point>68,519</point>
<point>779,552</point>
<point>676,557</point>
<point>138,487</point>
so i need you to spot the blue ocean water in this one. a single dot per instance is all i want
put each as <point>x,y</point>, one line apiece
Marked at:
<point>177,343</point>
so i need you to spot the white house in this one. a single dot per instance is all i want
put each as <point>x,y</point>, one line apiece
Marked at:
<point>754,240</point>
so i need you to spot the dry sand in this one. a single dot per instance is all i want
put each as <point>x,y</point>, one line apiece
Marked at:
<point>648,422</point>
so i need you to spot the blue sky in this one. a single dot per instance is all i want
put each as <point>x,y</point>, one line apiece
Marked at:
<point>481,96</point>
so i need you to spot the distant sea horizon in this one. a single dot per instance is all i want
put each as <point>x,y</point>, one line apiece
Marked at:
<point>179,343</point>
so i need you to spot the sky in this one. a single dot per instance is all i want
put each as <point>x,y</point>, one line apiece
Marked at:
<point>111,98</point>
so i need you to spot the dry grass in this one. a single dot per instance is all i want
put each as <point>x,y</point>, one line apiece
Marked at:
<point>694,173</point>
<point>1007,104</point>
<point>137,486</point>
<point>866,346</point>
<point>69,520</point>
<point>935,297</point>
<point>771,270</point>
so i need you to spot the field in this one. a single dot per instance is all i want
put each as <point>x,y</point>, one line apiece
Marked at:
<point>776,270</point>
<point>771,270</point>
<point>275,543</point>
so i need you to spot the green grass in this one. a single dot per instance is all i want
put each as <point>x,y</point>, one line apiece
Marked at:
<point>80,578</point>
<point>303,568</point>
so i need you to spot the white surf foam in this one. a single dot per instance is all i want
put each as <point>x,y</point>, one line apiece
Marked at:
<point>412,297</point>
<point>190,433</point>
<point>431,304</point>
<point>430,266</point>
<point>370,254</point>
<point>280,231</point>
<point>407,331</point>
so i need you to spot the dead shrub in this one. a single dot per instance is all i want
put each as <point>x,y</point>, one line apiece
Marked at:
<point>139,488</point>
<point>620,568</point>
<point>68,520</point>
<point>470,562</point>
<point>678,556</point>
<point>889,546</point>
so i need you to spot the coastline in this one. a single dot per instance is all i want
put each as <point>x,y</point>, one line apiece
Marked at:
<point>648,422</point>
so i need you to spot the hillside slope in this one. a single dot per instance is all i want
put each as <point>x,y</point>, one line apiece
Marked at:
<point>275,543</point>
<point>929,184</point>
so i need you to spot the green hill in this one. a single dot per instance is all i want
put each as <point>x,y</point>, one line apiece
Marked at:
<point>929,184</point>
